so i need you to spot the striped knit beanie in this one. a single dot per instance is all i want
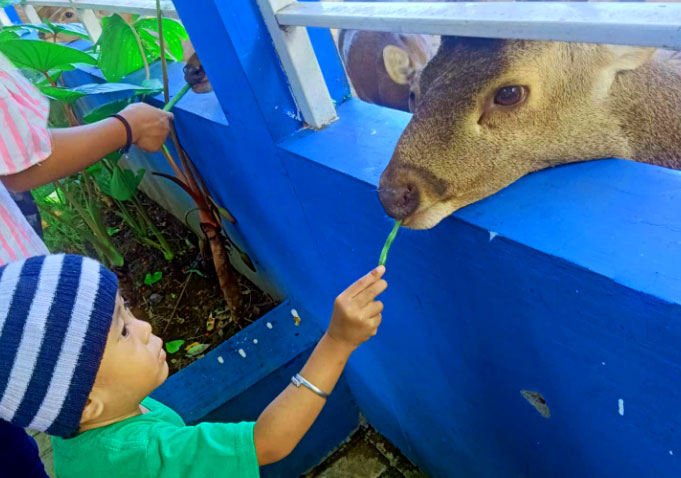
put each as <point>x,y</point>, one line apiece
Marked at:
<point>55,315</point>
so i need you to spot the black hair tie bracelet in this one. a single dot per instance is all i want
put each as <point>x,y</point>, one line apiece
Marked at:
<point>128,131</point>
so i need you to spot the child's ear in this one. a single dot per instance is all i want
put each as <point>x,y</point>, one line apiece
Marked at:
<point>93,410</point>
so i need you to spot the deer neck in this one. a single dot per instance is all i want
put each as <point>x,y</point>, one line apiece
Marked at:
<point>647,103</point>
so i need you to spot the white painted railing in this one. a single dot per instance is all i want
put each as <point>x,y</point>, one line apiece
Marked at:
<point>85,10</point>
<point>639,23</point>
<point>643,24</point>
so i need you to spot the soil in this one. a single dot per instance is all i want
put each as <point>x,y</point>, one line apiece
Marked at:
<point>186,303</point>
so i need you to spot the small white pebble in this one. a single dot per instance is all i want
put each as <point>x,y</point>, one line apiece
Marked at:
<point>255,341</point>
<point>221,360</point>
<point>671,452</point>
<point>242,353</point>
<point>269,325</point>
<point>621,406</point>
<point>492,235</point>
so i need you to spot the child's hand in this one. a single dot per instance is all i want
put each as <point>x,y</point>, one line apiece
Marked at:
<point>150,126</point>
<point>356,313</point>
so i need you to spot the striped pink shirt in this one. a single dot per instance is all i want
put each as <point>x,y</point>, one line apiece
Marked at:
<point>24,142</point>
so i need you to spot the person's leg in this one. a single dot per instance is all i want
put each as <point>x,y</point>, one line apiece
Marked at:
<point>19,454</point>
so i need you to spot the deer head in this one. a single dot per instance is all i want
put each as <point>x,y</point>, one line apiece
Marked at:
<point>488,112</point>
<point>383,66</point>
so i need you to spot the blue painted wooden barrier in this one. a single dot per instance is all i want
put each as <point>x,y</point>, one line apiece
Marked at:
<point>567,283</point>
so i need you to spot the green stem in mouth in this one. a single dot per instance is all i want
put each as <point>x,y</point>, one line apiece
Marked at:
<point>388,243</point>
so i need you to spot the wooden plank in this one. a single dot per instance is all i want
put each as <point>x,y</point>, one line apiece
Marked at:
<point>4,19</point>
<point>630,23</point>
<point>91,23</point>
<point>141,7</point>
<point>300,64</point>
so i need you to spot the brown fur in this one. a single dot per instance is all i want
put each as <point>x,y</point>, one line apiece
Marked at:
<point>362,53</point>
<point>585,102</point>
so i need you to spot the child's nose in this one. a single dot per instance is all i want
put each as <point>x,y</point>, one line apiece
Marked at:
<point>145,329</point>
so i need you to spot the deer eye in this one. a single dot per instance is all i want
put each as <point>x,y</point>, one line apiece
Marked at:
<point>510,95</point>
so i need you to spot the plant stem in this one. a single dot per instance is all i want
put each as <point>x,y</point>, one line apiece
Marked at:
<point>177,97</point>
<point>141,48</point>
<point>179,298</point>
<point>388,243</point>
<point>162,45</point>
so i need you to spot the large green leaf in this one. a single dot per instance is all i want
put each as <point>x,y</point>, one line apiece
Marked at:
<point>119,51</point>
<point>8,35</point>
<point>107,110</point>
<point>173,33</point>
<point>70,95</point>
<point>43,56</point>
<point>124,183</point>
<point>74,29</point>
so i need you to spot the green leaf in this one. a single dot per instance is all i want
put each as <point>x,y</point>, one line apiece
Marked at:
<point>173,33</point>
<point>43,56</point>
<point>119,52</point>
<point>174,346</point>
<point>107,110</point>
<point>112,231</point>
<point>153,84</point>
<point>8,35</point>
<point>74,29</point>
<point>151,279</point>
<point>124,183</point>
<point>195,271</point>
<point>69,95</point>
<point>7,3</point>
<point>197,349</point>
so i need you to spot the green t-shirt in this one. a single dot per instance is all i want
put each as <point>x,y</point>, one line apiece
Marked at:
<point>158,444</point>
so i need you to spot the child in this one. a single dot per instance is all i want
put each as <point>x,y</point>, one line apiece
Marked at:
<point>75,363</point>
<point>32,155</point>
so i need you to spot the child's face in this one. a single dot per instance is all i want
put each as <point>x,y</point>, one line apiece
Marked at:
<point>133,365</point>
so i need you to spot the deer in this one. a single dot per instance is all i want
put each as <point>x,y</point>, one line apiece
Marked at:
<point>383,66</point>
<point>487,112</point>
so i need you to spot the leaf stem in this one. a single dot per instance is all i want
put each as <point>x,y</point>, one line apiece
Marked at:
<point>388,243</point>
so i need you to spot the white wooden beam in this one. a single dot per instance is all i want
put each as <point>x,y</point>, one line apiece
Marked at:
<point>32,14</point>
<point>141,7</point>
<point>90,21</point>
<point>300,64</point>
<point>628,23</point>
<point>4,19</point>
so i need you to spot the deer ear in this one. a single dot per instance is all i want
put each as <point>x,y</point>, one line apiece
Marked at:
<point>629,57</point>
<point>398,64</point>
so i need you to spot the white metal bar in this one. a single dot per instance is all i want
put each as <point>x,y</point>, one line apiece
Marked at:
<point>4,19</point>
<point>642,24</point>
<point>142,7</point>
<point>32,14</point>
<point>300,64</point>
<point>91,23</point>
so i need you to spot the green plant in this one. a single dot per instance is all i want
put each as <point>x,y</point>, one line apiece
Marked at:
<point>173,346</point>
<point>44,64</point>
<point>151,279</point>
<point>388,242</point>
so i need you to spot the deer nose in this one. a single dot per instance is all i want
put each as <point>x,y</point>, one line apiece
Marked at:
<point>399,201</point>
<point>194,74</point>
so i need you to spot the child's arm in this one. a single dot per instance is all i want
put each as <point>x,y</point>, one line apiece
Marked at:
<point>76,148</point>
<point>356,317</point>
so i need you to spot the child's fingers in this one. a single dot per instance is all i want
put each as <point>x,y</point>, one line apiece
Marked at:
<point>365,281</point>
<point>370,293</point>
<point>375,322</point>
<point>373,309</point>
